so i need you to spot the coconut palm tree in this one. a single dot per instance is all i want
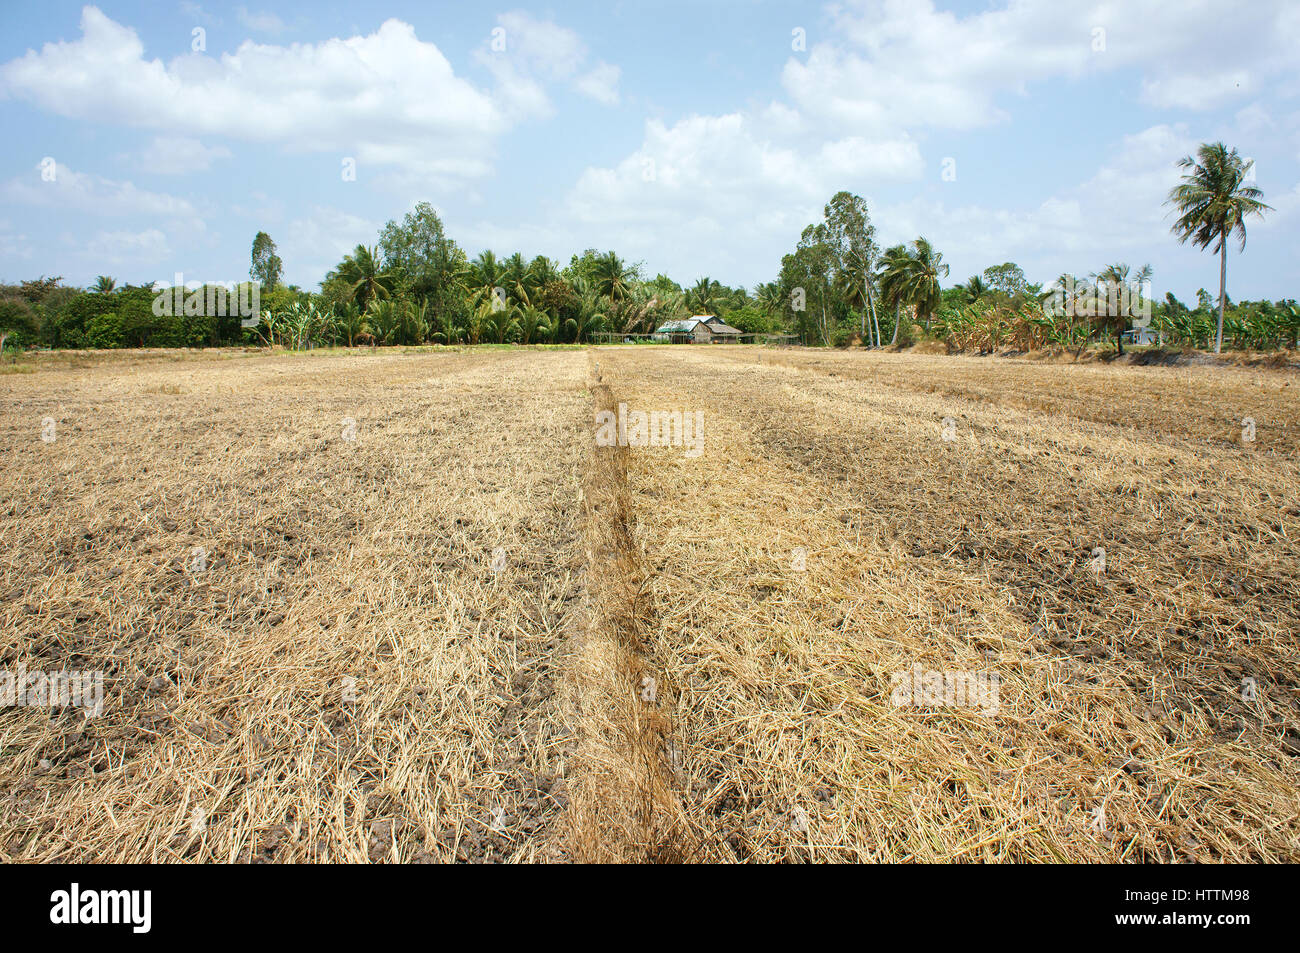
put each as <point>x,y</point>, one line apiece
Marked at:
<point>894,267</point>
<point>704,296</point>
<point>921,267</point>
<point>613,279</point>
<point>533,322</point>
<point>1212,203</point>
<point>588,318</point>
<point>541,271</point>
<point>104,285</point>
<point>771,298</point>
<point>385,318</point>
<point>364,277</point>
<point>481,278</point>
<point>974,289</point>
<point>351,322</point>
<point>1115,276</point>
<point>518,281</point>
<point>854,284</point>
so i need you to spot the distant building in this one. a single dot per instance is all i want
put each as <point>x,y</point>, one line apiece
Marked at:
<point>1139,336</point>
<point>700,328</point>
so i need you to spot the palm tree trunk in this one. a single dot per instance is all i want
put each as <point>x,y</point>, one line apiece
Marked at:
<point>898,310</point>
<point>1223,284</point>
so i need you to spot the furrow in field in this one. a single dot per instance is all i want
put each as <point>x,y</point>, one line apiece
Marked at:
<point>623,807</point>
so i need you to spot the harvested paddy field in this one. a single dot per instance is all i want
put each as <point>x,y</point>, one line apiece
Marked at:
<point>404,606</point>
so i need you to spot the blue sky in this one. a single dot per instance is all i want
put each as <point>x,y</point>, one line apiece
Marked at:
<point>699,138</point>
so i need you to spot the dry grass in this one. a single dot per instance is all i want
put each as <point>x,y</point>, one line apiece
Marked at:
<point>325,559</point>
<point>1121,692</point>
<point>502,714</point>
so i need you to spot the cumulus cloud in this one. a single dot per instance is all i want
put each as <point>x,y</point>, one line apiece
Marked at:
<point>712,192</point>
<point>889,64</point>
<point>729,167</point>
<point>525,55</point>
<point>389,91</point>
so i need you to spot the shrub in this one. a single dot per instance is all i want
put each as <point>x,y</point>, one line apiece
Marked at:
<point>18,321</point>
<point>105,331</point>
<point>748,319</point>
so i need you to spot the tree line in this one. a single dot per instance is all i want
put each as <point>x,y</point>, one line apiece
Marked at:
<point>416,285</point>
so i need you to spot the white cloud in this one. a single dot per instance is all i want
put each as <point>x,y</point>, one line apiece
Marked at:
<point>890,64</point>
<point>148,247</point>
<point>396,96</point>
<point>1197,91</point>
<point>179,155</point>
<point>259,21</point>
<point>530,53</point>
<point>94,194</point>
<point>710,193</point>
<point>539,46</point>
<point>1118,213</point>
<point>315,243</point>
<point>601,84</point>
<point>727,168</point>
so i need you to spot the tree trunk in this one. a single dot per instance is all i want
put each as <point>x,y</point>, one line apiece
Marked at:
<point>871,306</point>
<point>898,310</point>
<point>1223,285</point>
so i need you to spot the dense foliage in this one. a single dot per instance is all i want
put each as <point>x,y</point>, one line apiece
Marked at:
<point>417,286</point>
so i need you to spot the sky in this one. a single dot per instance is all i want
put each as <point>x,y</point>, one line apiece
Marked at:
<point>697,138</point>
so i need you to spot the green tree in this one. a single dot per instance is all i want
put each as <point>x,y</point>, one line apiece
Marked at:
<point>851,239</point>
<point>612,278</point>
<point>104,285</point>
<point>913,274</point>
<point>481,277</point>
<point>1212,203</point>
<point>1008,278</point>
<point>362,277</point>
<point>418,253</point>
<point>266,266</point>
<point>705,296</point>
<point>749,319</point>
<point>1108,314</point>
<point>808,275</point>
<point>894,268</point>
